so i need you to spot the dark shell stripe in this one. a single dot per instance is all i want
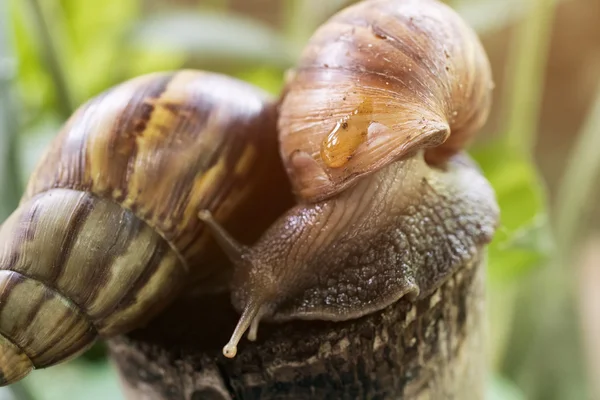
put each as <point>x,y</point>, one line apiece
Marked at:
<point>40,321</point>
<point>14,364</point>
<point>73,229</point>
<point>91,253</point>
<point>126,268</point>
<point>147,295</point>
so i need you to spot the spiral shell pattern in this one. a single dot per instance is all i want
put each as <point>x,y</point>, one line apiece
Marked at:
<point>107,232</point>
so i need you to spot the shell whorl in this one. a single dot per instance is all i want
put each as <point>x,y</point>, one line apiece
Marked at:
<point>166,145</point>
<point>378,81</point>
<point>107,233</point>
<point>75,266</point>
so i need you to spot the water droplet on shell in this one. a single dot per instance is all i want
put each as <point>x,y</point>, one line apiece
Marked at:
<point>349,133</point>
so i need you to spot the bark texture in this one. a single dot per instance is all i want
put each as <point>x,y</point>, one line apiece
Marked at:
<point>431,349</point>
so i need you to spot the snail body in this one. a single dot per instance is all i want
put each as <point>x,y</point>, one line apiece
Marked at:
<point>401,232</point>
<point>107,233</point>
<point>372,122</point>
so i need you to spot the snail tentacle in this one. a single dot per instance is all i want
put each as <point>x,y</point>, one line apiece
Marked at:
<point>232,248</point>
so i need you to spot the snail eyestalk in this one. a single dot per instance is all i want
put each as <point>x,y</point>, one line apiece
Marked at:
<point>253,331</point>
<point>249,319</point>
<point>234,250</point>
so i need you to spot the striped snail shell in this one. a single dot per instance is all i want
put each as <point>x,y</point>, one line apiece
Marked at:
<point>372,121</point>
<point>378,81</point>
<point>107,231</point>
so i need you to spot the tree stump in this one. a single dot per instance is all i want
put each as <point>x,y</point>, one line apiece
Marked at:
<point>429,349</point>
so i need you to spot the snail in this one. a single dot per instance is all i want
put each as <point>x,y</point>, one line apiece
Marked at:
<point>372,126</point>
<point>372,123</point>
<point>106,233</point>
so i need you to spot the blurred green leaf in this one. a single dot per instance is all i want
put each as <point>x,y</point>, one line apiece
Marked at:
<point>35,141</point>
<point>213,38</point>
<point>53,61</point>
<point>91,42</point>
<point>303,17</point>
<point>97,353</point>
<point>74,380</point>
<point>269,79</point>
<point>500,388</point>
<point>7,394</point>
<point>490,15</point>
<point>88,42</point>
<point>33,81</point>
<point>522,241</point>
<point>523,238</point>
<point>151,60</point>
<point>486,16</point>
<point>16,391</point>
<point>10,183</point>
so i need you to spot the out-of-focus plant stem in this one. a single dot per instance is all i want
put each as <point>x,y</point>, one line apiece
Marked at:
<point>51,59</point>
<point>218,4</point>
<point>488,16</point>
<point>576,190</point>
<point>575,195</point>
<point>526,74</point>
<point>554,364</point>
<point>579,181</point>
<point>546,358</point>
<point>521,108</point>
<point>10,183</point>
<point>297,28</point>
<point>304,16</point>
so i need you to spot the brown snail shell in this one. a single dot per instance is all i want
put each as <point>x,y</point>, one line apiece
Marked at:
<point>107,231</point>
<point>378,81</point>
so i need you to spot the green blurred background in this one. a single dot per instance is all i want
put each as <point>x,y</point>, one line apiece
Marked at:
<point>539,150</point>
